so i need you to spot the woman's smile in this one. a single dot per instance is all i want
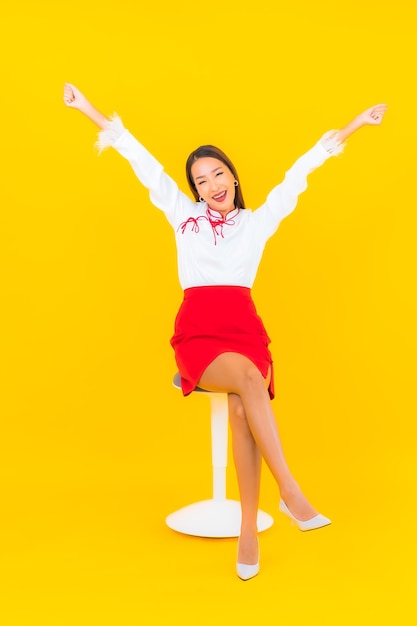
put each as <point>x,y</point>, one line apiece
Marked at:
<point>220,197</point>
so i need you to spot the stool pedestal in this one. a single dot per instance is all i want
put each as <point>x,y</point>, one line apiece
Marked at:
<point>218,516</point>
<point>213,518</point>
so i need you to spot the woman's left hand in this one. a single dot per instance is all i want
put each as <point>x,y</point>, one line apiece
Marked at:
<point>374,115</point>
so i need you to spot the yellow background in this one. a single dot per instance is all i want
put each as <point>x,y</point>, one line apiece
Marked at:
<point>97,447</point>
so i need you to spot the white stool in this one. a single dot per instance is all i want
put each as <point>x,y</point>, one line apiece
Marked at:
<point>219,516</point>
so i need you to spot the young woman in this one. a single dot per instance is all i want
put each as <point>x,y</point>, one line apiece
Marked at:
<point>220,342</point>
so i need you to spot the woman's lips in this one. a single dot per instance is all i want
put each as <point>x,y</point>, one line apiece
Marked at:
<point>220,197</point>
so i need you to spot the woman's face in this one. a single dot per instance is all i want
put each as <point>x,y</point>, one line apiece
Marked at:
<point>215,183</point>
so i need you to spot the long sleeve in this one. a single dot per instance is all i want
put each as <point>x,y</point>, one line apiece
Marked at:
<point>282,200</point>
<point>164,192</point>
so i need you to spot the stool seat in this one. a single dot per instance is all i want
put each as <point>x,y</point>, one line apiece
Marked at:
<point>218,516</point>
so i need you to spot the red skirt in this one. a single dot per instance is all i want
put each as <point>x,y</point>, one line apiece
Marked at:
<point>216,319</point>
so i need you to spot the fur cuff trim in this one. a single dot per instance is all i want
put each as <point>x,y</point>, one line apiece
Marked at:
<point>332,143</point>
<point>111,132</point>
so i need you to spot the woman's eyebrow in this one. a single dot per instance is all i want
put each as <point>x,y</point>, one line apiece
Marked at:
<point>212,172</point>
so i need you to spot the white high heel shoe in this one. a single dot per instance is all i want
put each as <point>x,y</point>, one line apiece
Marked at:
<point>244,571</point>
<point>318,521</point>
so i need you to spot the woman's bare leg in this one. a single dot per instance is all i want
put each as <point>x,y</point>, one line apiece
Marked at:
<point>234,373</point>
<point>247,459</point>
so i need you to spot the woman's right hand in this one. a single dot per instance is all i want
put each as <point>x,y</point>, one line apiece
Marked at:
<point>73,97</point>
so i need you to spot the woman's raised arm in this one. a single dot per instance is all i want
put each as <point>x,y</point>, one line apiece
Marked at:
<point>371,117</point>
<point>74,99</point>
<point>164,192</point>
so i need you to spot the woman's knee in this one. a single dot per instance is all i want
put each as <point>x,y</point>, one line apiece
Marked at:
<point>237,414</point>
<point>236,408</point>
<point>251,377</point>
<point>248,380</point>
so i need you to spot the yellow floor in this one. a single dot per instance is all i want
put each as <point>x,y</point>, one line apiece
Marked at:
<point>83,541</point>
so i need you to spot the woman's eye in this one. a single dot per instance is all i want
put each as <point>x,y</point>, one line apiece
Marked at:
<point>219,173</point>
<point>201,182</point>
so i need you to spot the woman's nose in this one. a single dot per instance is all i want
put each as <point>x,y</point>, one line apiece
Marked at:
<point>214,184</point>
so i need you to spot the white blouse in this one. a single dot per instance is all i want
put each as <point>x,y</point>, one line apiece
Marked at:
<point>212,250</point>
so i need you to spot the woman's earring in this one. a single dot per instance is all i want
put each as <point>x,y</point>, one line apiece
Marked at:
<point>236,183</point>
<point>201,199</point>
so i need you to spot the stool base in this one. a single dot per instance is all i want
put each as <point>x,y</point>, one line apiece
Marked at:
<point>213,518</point>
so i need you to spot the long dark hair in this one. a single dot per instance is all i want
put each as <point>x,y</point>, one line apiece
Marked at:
<point>215,153</point>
